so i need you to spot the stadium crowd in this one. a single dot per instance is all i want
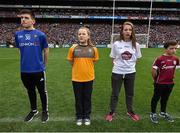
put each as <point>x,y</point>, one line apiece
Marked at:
<point>94,12</point>
<point>63,33</point>
<point>132,13</point>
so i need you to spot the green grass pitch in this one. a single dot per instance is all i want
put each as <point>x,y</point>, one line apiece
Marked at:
<point>14,103</point>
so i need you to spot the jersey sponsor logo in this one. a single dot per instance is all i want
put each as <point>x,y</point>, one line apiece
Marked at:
<point>83,52</point>
<point>167,67</point>
<point>26,44</point>
<point>126,55</point>
<point>26,40</point>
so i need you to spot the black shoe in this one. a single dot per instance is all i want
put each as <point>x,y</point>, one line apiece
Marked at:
<point>45,117</point>
<point>166,116</point>
<point>153,117</point>
<point>30,116</point>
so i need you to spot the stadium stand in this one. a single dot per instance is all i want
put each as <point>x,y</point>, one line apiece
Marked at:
<point>61,20</point>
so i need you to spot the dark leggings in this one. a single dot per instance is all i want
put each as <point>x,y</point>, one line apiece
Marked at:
<point>161,91</point>
<point>116,82</point>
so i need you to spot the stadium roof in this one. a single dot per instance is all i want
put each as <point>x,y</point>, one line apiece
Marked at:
<point>102,3</point>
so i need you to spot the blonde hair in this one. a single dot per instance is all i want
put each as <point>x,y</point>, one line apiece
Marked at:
<point>133,36</point>
<point>89,42</point>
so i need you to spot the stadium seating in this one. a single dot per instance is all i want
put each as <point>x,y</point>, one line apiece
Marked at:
<point>63,32</point>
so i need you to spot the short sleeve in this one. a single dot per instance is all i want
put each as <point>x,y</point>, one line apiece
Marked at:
<point>138,51</point>
<point>44,42</point>
<point>70,52</point>
<point>177,65</point>
<point>96,56</point>
<point>113,51</point>
<point>156,63</point>
<point>16,40</point>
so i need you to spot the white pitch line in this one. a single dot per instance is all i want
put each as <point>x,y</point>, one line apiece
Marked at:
<point>36,119</point>
<point>9,58</point>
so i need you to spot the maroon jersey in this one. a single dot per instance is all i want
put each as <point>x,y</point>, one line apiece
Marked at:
<point>165,66</point>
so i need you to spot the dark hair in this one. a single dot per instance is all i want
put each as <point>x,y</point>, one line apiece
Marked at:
<point>170,43</point>
<point>27,11</point>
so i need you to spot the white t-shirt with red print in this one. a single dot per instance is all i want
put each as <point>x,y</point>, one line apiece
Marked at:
<point>125,57</point>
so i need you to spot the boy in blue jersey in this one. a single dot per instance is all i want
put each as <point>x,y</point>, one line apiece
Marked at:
<point>33,46</point>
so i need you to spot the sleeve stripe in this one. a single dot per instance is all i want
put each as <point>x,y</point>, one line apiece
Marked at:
<point>155,67</point>
<point>177,67</point>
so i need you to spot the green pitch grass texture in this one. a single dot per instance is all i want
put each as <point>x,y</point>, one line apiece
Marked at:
<point>14,104</point>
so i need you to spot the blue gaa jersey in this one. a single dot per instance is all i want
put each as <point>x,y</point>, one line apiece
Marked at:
<point>31,44</point>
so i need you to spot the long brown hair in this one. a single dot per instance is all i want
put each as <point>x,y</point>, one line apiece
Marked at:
<point>133,36</point>
<point>89,42</point>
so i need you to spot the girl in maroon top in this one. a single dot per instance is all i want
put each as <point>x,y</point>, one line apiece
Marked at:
<point>163,70</point>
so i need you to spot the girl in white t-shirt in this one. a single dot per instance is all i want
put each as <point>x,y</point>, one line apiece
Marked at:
<point>124,54</point>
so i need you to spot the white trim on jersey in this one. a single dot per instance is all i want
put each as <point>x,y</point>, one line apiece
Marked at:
<point>155,67</point>
<point>177,67</point>
<point>45,89</point>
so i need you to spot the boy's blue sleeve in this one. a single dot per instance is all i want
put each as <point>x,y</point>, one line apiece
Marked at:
<point>16,40</point>
<point>44,42</point>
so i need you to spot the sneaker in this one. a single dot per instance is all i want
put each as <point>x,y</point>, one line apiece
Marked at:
<point>30,116</point>
<point>79,122</point>
<point>133,116</point>
<point>110,116</point>
<point>166,116</point>
<point>153,117</point>
<point>45,117</point>
<point>87,122</point>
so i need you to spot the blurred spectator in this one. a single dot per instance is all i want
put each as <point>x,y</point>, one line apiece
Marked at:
<point>62,33</point>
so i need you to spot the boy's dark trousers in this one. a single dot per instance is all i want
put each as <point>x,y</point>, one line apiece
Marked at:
<point>31,81</point>
<point>161,91</point>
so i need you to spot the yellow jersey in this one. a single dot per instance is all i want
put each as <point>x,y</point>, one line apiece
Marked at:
<point>83,58</point>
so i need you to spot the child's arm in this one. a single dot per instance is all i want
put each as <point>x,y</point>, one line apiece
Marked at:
<point>154,73</point>
<point>155,69</point>
<point>178,64</point>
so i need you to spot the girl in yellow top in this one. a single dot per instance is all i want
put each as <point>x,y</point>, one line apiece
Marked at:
<point>82,57</point>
